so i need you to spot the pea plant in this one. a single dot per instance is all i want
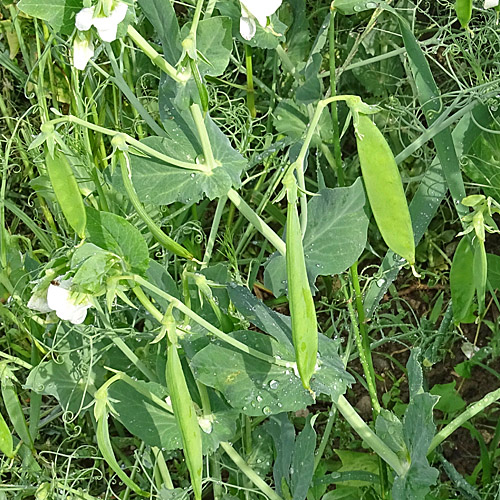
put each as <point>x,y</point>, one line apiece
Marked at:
<point>199,305</point>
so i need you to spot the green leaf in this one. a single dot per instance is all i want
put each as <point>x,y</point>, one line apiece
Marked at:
<point>493,270</point>
<point>113,233</point>
<point>60,14</point>
<point>330,378</point>
<point>390,429</point>
<point>142,417</point>
<point>162,16</point>
<point>215,42</point>
<point>251,385</point>
<point>462,281</point>
<point>336,226</point>
<point>282,431</point>
<point>68,379</point>
<point>303,460</point>
<point>159,183</point>
<point>418,431</point>
<point>355,461</point>
<point>450,400</point>
<point>349,7</point>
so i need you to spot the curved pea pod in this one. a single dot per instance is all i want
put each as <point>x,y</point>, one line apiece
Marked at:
<point>385,189</point>
<point>463,9</point>
<point>186,418</point>
<point>66,190</point>
<point>302,311</point>
<point>462,282</point>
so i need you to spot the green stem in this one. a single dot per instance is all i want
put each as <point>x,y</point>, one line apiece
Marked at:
<point>156,231</point>
<point>337,152</point>
<point>332,415</point>
<point>205,324</point>
<point>196,20</point>
<point>213,231</point>
<point>257,222</point>
<point>249,472</point>
<point>250,88</point>
<point>133,142</point>
<point>362,352</point>
<point>368,436</point>
<point>162,467</point>
<point>204,139</point>
<point>472,411</point>
<point>155,57</point>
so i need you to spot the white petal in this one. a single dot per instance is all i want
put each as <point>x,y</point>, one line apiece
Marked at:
<point>261,9</point>
<point>38,302</point>
<point>83,50</point>
<point>247,27</point>
<point>490,3</point>
<point>83,20</point>
<point>60,300</point>
<point>107,26</point>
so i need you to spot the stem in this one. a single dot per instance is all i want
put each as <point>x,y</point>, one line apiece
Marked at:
<point>368,436</point>
<point>362,352</point>
<point>249,472</point>
<point>250,88</point>
<point>155,57</point>
<point>472,411</point>
<point>332,415</point>
<point>213,231</point>
<point>205,324</point>
<point>337,152</point>
<point>204,139</point>
<point>156,231</point>
<point>257,222</point>
<point>133,142</point>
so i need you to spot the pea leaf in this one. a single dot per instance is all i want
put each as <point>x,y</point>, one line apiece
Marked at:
<point>493,270</point>
<point>418,431</point>
<point>113,233</point>
<point>162,16</point>
<point>60,14</point>
<point>336,225</point>
<point>159,183</point>
<point>348,7</point>
<point>251,385</point>
<point>303,460</point>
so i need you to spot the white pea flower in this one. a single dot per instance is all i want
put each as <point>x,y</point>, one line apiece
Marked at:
<point>106,26</point>
<point>490,3</point>
<point>83,50</point>
<point>252,10</point>
<point>57,297</point>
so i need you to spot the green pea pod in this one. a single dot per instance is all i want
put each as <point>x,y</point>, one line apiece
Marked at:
<point>302,311</point>
<point>463,9</point>
<point>66,190</point>
<point>462,282</point>
<point>6,444</point>
<point>480,274</point>
<point>186,418</point>
<point>106,448</point>
<point>385,189</point>
<point>14,409</point>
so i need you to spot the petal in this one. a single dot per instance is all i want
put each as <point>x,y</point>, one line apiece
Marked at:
<point>38,302</point>
<point>107,26</point>
<point>490,3</point>
<point>83,50</point>
<point>83,20</point>
<point>58,298</point>
<point>247,27</point>
<point>75,315</point>
<point>261,9</point>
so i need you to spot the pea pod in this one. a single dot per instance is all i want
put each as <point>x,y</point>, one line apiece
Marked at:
<point>463,9</point>
<point>6,444</point>
<point>66,190</point>
<point>184,412</point>
<point>302,311</point>
<point>462,281</point>
<point>480,274</point>
<point>384,189</point>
